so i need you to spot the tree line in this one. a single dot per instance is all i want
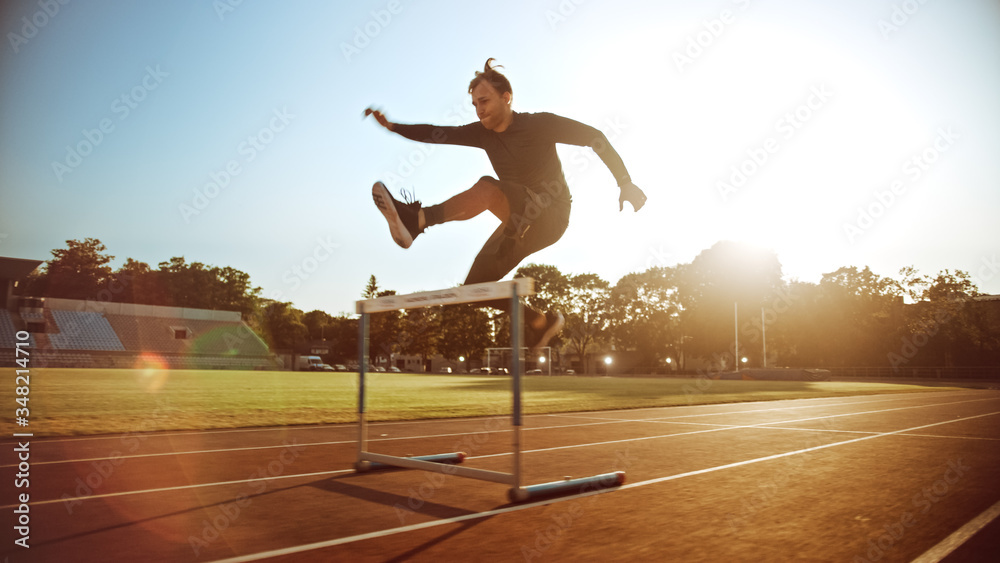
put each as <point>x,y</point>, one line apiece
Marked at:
<point>688,314</point>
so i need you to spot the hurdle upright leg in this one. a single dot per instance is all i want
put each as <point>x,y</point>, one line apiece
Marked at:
<point>515,343</point>
<point>362,464</point>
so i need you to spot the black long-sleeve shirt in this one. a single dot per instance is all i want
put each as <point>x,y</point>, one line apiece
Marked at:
<point>525,153</point>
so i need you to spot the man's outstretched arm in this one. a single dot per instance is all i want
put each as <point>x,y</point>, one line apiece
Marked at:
<point>575,133</point>
<point>437,134</point>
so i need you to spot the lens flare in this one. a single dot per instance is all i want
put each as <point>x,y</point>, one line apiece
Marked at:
<point>151,372</point>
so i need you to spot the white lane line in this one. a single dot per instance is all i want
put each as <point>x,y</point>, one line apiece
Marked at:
<point>959,536</point>
<point>185,487</point>
<point>308,444</point>
<point>723,428</point>
<point>601,421</point>
<point>212,431</point>
<point>486,514</point>
<point>715,428</point>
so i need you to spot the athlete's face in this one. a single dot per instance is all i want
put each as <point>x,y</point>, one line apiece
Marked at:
<point>492,108</point>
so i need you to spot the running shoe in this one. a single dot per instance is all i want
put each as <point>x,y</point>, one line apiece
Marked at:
<point>402,216</point>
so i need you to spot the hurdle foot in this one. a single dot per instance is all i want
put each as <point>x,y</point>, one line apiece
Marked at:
<point>567,487</point>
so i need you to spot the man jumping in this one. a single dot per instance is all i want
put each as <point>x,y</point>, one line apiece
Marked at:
<point>531,197</point>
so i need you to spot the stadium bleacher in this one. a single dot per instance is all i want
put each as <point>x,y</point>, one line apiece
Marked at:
<point>83,330</point>
<point>8,331</point>
<point>89,334</point>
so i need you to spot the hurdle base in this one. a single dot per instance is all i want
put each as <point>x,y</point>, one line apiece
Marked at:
<point>566,487</point>
<point>453,458</point>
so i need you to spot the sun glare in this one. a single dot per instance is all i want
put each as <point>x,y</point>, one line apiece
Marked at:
<point>151,372</point>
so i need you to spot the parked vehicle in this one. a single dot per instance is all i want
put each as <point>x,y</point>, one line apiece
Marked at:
<point>308,363</point>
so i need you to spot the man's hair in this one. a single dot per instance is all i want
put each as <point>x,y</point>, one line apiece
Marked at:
<point>491,75</point>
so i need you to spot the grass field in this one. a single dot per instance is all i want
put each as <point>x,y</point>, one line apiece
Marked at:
<point>96,401</point>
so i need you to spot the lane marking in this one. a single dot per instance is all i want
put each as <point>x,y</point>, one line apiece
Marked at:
<point>603,421</point>
<point>184,487</point>
<point>213,431</point>
<point>959,536</point>
<point>723,428</point>
<point>503,454</point>
<point>489,513</point>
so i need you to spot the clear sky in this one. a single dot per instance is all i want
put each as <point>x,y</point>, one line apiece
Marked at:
<point>856,132</point>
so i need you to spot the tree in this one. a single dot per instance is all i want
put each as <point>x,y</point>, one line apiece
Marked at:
<point>282,326</point>
<point>645,315</point>
<point>343,334</point>
<point>586,312</point>
<point>942,327</point>
<point>138,283</point>
<point>384,331</point>
<point>79,271</point>
<point>318,324</point>
<point>728,273</point>
<point>198,286</point>
<point>464,331</point>
<point>551,286</point>
<point>371,290</point>
<point>861,314</point>
<point>420,332</point>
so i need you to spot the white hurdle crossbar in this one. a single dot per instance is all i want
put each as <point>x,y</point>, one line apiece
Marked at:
<point>473,293</point>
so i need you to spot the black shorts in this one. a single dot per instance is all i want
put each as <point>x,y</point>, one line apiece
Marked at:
<point>537,220</point>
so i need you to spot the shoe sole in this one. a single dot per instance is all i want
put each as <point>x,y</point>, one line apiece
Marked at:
<point>383,200</point>
<point>551,331</point>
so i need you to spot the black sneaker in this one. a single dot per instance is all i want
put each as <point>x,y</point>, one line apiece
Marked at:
<point>536,339</point>
<point>401,216</point>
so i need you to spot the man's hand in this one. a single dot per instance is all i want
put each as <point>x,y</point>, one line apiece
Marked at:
<point>632,194</point>
<point>380,117</point>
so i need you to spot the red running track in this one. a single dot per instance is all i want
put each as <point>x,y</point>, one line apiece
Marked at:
<point>871,478</point>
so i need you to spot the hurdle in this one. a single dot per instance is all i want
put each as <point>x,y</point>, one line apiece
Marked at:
<point>449,463</point>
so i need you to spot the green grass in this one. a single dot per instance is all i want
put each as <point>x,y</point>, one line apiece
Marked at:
<point>94,401</point>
